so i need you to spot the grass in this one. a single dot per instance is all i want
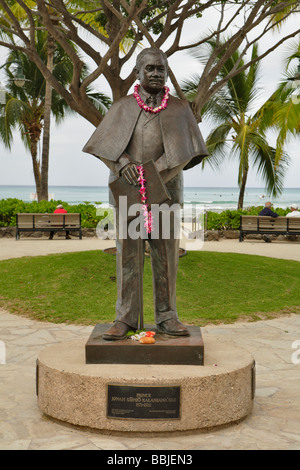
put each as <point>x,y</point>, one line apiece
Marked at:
<point>80,288</point>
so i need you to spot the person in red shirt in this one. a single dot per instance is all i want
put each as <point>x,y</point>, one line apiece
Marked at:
<point>60,210</point>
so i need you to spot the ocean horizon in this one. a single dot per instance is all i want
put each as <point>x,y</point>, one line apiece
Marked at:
<point>209,198</point>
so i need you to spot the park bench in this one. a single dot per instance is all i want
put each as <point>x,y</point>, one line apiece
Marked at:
<point>254,224</point>
<point>48,222</point>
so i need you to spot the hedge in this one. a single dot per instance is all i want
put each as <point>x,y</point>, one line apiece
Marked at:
<point>10,207</point>
<point>226,220</point>
<point>230,219</point>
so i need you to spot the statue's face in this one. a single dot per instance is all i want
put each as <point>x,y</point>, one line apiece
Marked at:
<point>153,73</point>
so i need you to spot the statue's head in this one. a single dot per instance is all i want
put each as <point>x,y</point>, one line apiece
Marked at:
<point>152,69</point>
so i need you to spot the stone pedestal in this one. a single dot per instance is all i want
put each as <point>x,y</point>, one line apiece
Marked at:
<point>219,392</point>
<point>167,349</point>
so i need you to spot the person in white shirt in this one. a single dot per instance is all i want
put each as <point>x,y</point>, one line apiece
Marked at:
<point>295,212</point>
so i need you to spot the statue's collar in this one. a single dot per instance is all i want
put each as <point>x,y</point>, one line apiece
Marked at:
<point>146,96</point>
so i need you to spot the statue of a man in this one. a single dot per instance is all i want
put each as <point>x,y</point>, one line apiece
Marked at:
<point>148,125</point>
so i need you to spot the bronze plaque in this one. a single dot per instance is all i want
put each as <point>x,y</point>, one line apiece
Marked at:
<point>143,402</point>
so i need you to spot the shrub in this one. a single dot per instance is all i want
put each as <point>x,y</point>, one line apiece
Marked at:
<point>10,207</point>
<point>230,219</point>
<point>90,215</point>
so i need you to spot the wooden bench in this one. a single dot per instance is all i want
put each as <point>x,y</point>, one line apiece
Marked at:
<point>48,222</point>
<point>257,224</point>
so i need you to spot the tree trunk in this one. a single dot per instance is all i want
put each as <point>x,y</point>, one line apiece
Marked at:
<point>36,167</point>
<point>47,122</point>
<point>242,188</point>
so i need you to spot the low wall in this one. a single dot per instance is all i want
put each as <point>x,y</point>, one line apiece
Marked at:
<point>209,235</point>
<point>10,232</point>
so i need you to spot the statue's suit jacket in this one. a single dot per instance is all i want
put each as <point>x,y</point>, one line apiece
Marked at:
<point>183,143</point>
<point>116,139</point>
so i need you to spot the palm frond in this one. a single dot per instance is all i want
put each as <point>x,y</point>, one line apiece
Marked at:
<point>190,86</point>
<point>271,171</point>
<point>218,146</point>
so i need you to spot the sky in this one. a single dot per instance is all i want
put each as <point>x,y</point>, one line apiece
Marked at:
<point>69,166</point>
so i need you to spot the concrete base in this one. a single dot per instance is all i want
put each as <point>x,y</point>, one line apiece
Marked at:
<point>218,393</point>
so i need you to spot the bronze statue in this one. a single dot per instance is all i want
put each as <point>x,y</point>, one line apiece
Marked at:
<point>148,125</point>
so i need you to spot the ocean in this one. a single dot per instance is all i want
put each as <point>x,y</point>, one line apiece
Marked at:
<point>214,199</point>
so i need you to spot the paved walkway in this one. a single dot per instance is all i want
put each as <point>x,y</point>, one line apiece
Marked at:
<point>273,424</point>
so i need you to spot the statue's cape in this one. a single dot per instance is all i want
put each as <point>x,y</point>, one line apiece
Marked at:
<point>182,138</point>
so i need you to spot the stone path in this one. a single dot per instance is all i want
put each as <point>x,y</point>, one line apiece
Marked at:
<point>273,424</point>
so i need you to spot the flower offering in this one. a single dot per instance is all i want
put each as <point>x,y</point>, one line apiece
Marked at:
<point>147,214</point>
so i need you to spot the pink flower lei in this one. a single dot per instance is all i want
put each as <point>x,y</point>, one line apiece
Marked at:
<point>147,214</point>
<point>149,109</point>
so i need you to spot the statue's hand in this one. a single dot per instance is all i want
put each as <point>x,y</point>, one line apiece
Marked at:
<point>130,174</point>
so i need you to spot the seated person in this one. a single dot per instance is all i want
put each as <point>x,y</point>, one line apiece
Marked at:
<point>295,212</point>
<point>267,210</point>
<point>60,210</point>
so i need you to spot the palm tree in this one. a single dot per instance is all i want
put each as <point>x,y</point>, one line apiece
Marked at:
<point>28,108</point>
<point>239,133</point>
<point>282,110</point>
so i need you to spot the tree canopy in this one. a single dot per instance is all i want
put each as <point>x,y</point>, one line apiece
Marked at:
<point>98,28</point>
<point>29,107</point>
<point>240,134</point>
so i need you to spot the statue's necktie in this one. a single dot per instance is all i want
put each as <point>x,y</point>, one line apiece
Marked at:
<point>152,101</point>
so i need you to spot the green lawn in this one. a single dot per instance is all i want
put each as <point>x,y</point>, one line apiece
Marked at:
<point>211,287</point>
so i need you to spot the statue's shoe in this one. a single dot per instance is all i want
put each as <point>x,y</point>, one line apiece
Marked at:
<point>173,327</point>
<point>117,331</point>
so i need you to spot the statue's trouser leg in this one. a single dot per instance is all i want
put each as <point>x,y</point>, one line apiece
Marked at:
<point>129,280</point>
<point>164,257</point>
<point>130,260</point>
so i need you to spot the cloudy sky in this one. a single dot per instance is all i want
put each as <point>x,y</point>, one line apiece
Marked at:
<point>69,166</point>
